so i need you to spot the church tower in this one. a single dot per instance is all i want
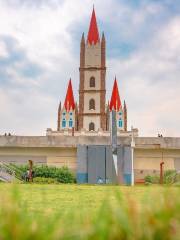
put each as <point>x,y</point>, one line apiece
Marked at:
<point>121,111</point>
<point>92,87</point>
<point>67,114</point>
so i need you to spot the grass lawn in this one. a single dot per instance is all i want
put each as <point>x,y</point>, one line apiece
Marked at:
<point>39,198</point>
<point>59,198</point>
<point>89,212</point>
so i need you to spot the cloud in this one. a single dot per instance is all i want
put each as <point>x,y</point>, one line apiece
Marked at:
<point>3,50</point>
<point>39,52</point>
<point>150,80</point>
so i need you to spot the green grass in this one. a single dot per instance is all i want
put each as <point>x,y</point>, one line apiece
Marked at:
<point>32,211</point>
<point>57,198</point>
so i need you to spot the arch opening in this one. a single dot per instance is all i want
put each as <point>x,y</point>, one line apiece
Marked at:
<point>91,104</point>
<point>91,126</point>
<point>92,82</point>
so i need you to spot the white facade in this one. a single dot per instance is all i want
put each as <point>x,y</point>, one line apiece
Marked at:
<point>92,93</point>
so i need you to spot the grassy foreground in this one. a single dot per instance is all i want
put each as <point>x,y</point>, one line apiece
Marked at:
<point>88,212</point>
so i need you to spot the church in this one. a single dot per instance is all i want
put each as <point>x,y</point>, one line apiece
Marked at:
<point>91,113</point>
<point>82,140</point>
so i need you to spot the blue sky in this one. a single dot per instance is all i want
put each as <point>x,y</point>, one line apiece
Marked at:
<point>39,52</point>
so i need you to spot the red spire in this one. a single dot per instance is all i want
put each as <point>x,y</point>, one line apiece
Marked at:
<point>69,103</point>
<point>93,34</point>
<point>115,102</point>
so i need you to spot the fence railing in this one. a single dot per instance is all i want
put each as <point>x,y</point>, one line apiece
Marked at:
<point>7,173</point>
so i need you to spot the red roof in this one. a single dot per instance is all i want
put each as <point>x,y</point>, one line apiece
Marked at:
<point>93,34</point>
<point>69,103</point>
<point>115,103</point>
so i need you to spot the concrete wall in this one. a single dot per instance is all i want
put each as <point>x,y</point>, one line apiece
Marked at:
<point>147,161</point>
<point>51,156</point>
<point>58,141</point>
<point>62,150</point>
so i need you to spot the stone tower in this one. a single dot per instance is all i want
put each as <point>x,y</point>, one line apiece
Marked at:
<point>92,87</point>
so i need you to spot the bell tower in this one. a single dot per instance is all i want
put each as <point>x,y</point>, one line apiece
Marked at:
<point>92,87</point>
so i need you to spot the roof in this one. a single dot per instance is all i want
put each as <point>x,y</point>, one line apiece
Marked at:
<point>69,103</point>
<point>93,34</point>
<point>115,103</point>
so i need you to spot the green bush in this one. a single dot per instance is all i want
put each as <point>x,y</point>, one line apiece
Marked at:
<point>170,176</point>
<point>44,180</point>
<point>151,179</point>
<point>62,175</point>
<point>65,176</point>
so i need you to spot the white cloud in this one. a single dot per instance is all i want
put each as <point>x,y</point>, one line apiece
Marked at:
<point>150,80</point>
<point>3,50</point>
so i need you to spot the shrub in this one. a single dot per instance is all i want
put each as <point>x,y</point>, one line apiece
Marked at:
<point>62,175</point>
<point>65,176</point>
<point>170,176</point>
<point>151,179</point>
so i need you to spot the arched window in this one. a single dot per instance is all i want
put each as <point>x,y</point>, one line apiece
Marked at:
<point>92,104</point>
<point>92,82</point>
<point>70,123</point>
<point>64,123</point>
<point>120,123</point>
<point>91,126</point>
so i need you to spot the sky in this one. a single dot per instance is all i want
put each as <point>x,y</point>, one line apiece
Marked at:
<point>39,52</point>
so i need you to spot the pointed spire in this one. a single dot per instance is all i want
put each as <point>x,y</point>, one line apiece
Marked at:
<point>59,117</point>
<point>82,39</point>
<point>103,37</point>
<point>125,105</point>
<point>93,34</point>
<point>103,51</point>
<point>69,103</point>
<point>115,102</point>
<point>59,108</point>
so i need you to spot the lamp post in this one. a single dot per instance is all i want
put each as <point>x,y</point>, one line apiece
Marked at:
<point>132,157</point>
